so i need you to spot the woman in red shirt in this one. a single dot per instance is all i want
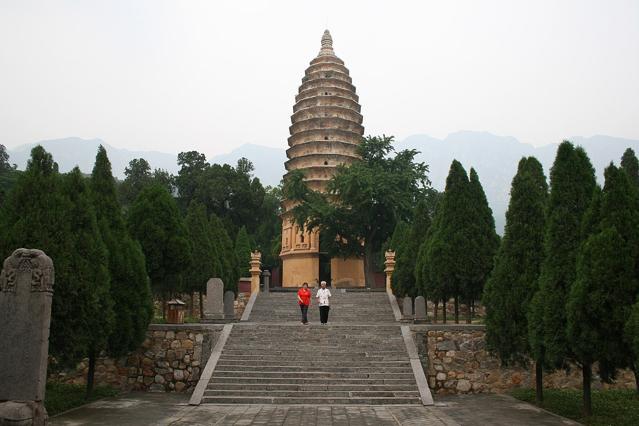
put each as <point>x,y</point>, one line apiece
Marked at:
<point>304,300</point>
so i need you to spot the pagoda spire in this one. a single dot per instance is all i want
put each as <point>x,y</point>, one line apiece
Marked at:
<point>327,44</point>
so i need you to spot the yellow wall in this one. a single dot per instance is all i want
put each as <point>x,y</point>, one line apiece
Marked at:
<point>347,273</point>
<point>300,268</point>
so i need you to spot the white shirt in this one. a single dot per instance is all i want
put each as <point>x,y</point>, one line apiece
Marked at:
<point>323,294</point>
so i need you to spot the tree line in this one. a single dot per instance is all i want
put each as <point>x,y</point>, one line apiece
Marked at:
<point>117,246</point>
<point>565,283</point>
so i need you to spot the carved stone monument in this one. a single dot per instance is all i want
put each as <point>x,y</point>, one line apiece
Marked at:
<point>214,307</point>
<point>407,308</point>
<point>229,305</point>
<point>420,309</point>
<point>267,280</point>
<point>255,264</point>
<point>389,264</point>
<point>26,290</point>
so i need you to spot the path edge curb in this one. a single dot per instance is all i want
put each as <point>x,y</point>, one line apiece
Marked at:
<point>205,377</point>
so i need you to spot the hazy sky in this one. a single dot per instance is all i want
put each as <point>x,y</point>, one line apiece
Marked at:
<point>211,75</point>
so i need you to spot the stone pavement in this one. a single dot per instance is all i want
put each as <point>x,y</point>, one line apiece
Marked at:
<point>172,409</point>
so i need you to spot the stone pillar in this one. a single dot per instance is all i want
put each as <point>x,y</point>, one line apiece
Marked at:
<point>389,264</point>
<point>26,291</point>
<point>267,280</point>
<point>420,309</point>
<point>255,270</point>
<point>229,305</point>
<point>214,306</point>
<point>407,308</point>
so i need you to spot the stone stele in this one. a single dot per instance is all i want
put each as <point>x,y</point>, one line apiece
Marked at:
<point>229,305</point>
<point>26,290</point>
<point>214,307</point>
<point>420,309</point>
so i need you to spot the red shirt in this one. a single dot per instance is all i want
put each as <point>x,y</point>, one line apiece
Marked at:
<point>305,295</point>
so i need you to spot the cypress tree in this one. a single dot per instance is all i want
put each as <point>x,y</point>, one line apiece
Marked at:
<point>90,272</point>
<point>154,220</point>
<point>630,165</point>
<point>130,291</point>
<point>514,279</point>
<point>198,273</point>
<point>243,251</point>
<point>447,252</point>
<point>572,182</point>
<point>484,242</point>
<point>404,282</point>
<point>225,252</point>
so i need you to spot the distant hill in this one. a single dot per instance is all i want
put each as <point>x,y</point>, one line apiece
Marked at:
<point>494,157</point>
<point>71,152</point>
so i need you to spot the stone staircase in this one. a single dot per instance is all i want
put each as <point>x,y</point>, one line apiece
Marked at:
<point>350,307</point>
<point>358,358</point>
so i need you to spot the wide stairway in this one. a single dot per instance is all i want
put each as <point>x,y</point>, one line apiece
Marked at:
<point>358,358</point>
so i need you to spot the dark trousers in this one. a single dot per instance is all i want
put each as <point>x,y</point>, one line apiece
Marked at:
<point>324,314</point>
<point>304,309</point>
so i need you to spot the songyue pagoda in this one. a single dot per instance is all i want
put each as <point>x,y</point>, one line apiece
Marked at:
<point>326,129</point>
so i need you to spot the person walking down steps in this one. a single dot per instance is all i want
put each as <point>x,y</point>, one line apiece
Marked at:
<point>323,295</point>
<point>304,300</point>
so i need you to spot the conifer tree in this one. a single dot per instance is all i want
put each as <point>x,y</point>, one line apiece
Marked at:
<point>404,282</point>
<point>89,269</point>
<point>198,273</point>
<point>630,165</point>
<point>484,242</point>
<point>133,304</point>
<point>572,182</point>
<point>243,251</point>
<point>225,252</point>
<point>514,279</point>
<point>447,251</point>
<point>154,220</point>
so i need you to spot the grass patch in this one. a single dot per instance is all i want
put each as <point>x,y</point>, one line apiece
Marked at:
<point>618,407</point>
<point>61,397</point>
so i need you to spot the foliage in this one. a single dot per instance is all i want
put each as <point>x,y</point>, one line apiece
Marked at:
<point>53,214</point>
<point>403,280</point>
<point>130,289</point>
<point>514,279</point>
<point>197,226</point>
<point>610,407</point>
<point>630,164</point>
<point>243,251</point>
<point>223,244</point>
<point>138,176</point>
<point>60,397</point>
<point>483,240</point>
<point>268,235</point>
<point>572,182</point>
<point>363,202</point>
<point>155,221</point>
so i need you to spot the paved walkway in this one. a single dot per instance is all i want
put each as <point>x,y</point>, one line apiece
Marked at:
<point>172,409</point>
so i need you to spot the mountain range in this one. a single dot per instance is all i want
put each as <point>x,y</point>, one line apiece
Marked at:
<point>494,158</point>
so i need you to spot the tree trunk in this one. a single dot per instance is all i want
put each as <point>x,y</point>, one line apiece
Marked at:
<point>456,310</point>
<point>164,307</point>
<point>472,311</point>
<point>587,378</point>
<point>369,267</point>
<point>90,374</point>
<point>539,382</point>
<point>201,306</point>
<point>444,310</point>
<point>435,311</point>
<point>192,304</point>
<point>468,315</point>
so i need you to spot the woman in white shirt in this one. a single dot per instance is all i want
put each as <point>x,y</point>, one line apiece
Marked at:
<point>323,295</point>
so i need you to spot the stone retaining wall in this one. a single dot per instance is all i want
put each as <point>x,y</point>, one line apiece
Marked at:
<point>170,359</point>
<point>456,361</point>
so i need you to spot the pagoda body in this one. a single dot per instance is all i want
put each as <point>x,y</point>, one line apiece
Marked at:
<point>325,132</point>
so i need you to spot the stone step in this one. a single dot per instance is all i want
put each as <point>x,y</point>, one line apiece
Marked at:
<point>313,380</point>
<point>310,368</point>
<point>312,394</point>
<point>305,362</point>
<point>309,401</point>
<point>310,374</point>
<point>312,387</point>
